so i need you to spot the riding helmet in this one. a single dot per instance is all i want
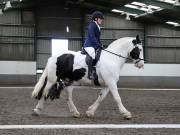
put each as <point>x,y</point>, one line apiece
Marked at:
<point>97,14</point>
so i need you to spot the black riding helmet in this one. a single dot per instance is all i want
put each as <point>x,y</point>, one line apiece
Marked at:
<point>97,14</point>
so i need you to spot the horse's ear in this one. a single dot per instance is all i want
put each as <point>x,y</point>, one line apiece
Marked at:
<point>138,39</point>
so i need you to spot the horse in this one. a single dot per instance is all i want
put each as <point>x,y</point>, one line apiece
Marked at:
<point>70,66</point>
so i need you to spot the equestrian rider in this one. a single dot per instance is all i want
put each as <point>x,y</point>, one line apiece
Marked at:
<point>92,42</point>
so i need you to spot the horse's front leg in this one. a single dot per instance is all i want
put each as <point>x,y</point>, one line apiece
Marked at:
<point>113,88</point>
<point>91,110</point>
<point>72,107</point>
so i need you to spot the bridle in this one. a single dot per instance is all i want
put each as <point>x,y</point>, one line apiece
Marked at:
<point>119,55</point>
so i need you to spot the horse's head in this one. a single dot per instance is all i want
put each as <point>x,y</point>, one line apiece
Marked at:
<point>136,52</point>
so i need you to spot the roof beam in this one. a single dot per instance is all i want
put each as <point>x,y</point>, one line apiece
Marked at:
<point>150,18</point>
<point>131,10</point>
<point>159,4</point>
<point>91,5</point>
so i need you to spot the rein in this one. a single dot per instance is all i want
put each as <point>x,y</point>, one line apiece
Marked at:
<point>122,56</point>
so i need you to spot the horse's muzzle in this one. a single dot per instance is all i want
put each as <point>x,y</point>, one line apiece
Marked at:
<point>139,63</point>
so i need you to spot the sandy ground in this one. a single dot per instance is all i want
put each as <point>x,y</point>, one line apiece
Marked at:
<point>147,107</point>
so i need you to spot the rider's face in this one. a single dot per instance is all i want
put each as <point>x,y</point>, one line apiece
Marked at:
<point>99,21</point>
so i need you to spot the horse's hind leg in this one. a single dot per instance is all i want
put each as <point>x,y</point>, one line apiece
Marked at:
<point>91,110</point>
<point>72,107</point>
<point>40,105</point>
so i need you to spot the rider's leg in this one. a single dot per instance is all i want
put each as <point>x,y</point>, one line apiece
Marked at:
<point>90,68</point>
<point>91,52</point>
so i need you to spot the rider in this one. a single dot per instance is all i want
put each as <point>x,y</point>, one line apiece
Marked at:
<point>92,42</point>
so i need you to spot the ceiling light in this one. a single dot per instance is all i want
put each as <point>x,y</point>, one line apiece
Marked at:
<point>134,15</point>
<point>177,3</point>
<point>127,17</point>
<point>124,13</point>
<point>138,4</point>
<point>131,6</point>
<point>8,5</point>
<point>144,9</point>
<point>117,11</point>
<point>154,7</point>
<point>173,23</point>
<point>168,1</point>
<point>67,28</point>
<point>141,15</point>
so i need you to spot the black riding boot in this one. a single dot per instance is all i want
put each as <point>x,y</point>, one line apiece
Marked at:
<point>91,69</point>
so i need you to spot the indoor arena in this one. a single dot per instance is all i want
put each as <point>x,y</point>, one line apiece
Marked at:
<point>89,67</point>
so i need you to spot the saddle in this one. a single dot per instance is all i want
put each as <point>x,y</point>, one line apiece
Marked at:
<point>87,59</point>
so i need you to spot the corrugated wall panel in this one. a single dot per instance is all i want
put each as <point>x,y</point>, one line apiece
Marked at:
<point>116,34</point>
<point>17,41</point>
<point>57,27</point>
<point>162,44</point>
<point>107,42</point>
<point>53,22</point>
<point>161,41</point>
<point>43,52</point>
<point>74,45</point>
<point>58,11</point>
<point>11,17</point>
<point>162,55</point>
<point>42,60</point>
<point>13,30</point>
<point>161,30</point>
<point>43,46</point>
<point>177,55</point>
<point>114,21</point>
<point>16,52</point>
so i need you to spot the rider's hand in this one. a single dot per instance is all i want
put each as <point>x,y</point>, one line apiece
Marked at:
<point>102,47</point>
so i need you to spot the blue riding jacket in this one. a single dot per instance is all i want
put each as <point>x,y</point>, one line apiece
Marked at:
<point>93,36</point>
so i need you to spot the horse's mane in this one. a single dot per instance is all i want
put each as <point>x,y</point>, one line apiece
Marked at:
<point>121,41</point>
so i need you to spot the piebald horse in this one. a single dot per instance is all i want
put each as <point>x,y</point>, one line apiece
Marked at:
<point>71,66</point>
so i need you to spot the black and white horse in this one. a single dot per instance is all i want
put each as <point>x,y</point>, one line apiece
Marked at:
<point>71,66</point>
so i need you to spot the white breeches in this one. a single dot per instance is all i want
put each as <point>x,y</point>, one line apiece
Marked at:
<point>90,51</point>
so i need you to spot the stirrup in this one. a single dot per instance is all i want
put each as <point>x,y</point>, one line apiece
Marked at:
<point>91,77</point>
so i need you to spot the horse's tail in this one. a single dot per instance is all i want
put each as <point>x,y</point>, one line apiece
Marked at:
<point>38,89</point>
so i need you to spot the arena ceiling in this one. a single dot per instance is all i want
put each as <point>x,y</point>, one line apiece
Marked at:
<point>150,11</point>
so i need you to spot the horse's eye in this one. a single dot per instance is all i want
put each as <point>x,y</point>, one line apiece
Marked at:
<point>140,50</point>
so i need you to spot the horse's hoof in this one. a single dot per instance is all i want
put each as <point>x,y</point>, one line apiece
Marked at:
<point>36,112</point>
<point>127,116</point>
<point>34,94</point>
<point>76,115</point>
<point>89,114</point>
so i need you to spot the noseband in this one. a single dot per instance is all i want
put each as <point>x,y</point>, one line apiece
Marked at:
<point>135,54</point>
